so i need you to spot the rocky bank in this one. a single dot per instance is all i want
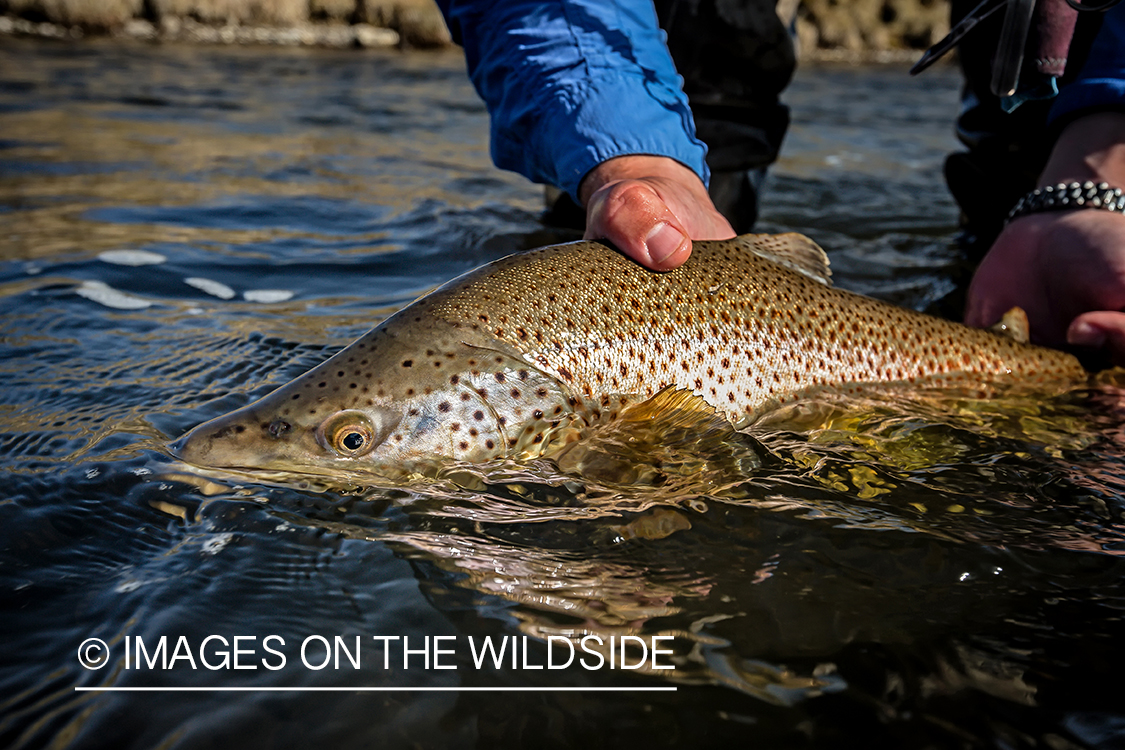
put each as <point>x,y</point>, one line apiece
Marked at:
<point>826,29</point>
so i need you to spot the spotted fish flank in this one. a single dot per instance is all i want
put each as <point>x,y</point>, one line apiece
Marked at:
<point>523,356</point>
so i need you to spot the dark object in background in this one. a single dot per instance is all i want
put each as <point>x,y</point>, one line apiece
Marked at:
<point>735,58</point>
<point>1006,150</point>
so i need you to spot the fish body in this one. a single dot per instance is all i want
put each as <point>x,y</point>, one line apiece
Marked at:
<point>525,355</point>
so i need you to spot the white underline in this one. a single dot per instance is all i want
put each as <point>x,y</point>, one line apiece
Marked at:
<point>374,689</point>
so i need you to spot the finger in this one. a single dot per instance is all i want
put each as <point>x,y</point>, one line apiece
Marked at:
<point>988,298</point>
<point>1104,329</point>
<point>632,216</point>
<point>983,312</point>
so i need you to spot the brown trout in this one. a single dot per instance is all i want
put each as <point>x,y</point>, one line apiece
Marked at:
<point>528,354</point>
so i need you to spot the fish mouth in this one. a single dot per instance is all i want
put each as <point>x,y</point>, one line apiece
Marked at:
<point>227,442</point>
<point>211,480</point>
<point>196,449</point>
<point>197,454</point>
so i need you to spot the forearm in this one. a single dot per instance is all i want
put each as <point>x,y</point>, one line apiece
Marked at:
<point>1089,148</point>
<point>639,167</point>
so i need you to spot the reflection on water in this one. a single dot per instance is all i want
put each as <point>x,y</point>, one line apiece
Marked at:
<point>186,229</point>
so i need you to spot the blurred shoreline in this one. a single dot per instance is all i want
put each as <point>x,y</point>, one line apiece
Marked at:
<point>860,31</point>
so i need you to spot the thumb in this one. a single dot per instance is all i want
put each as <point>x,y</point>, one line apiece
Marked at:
<point>632,216</point>
<point>1100,329</point>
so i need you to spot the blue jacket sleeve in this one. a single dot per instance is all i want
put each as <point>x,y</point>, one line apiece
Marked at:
<point>1101,82</point>
<point>571,83</point>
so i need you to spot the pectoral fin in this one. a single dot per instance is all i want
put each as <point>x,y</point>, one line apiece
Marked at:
<point>674,432</point>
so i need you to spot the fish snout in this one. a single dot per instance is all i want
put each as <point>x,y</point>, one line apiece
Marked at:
<point>226,442</point>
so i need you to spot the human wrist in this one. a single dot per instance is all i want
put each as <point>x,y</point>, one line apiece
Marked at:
<point>1089,148</point>
<point>635,167</point>
<point>1086,169</point>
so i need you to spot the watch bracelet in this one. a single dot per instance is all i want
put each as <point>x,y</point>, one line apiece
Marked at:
<point>1068,195</point>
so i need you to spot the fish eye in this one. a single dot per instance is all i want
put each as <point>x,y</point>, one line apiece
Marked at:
<point>353,441</point>
<point>350,434</point>
<point>349,440</point>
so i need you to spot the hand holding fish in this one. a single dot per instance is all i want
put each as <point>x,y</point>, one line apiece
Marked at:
<point>1066,269</point>
<point>650,207</point>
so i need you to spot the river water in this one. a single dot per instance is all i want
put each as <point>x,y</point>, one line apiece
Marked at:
<point>186,228</point>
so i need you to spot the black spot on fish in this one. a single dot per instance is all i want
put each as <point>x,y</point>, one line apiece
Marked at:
<point>478,415</point>
<point>408,363</point>
<point>489,444</point>
<point>444,406</point>
<point>500,377</point>
<point>278,427</point>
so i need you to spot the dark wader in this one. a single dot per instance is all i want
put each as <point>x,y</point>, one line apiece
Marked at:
<point>735,57</point>
<point>1006,150</point>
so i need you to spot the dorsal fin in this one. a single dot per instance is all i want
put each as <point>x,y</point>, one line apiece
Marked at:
<point>1013,326</point>
<point>792,250</point>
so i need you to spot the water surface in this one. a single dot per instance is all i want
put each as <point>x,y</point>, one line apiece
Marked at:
<point>186,228</point>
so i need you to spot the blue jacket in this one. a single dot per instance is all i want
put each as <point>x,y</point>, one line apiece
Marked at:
<point>1101,82</point>
<point>571,83</point>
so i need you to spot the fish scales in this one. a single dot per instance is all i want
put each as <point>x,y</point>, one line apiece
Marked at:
<point>520,356</point>
<point>741,331</point>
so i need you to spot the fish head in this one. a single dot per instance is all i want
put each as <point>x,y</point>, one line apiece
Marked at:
<point>396,402</point>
